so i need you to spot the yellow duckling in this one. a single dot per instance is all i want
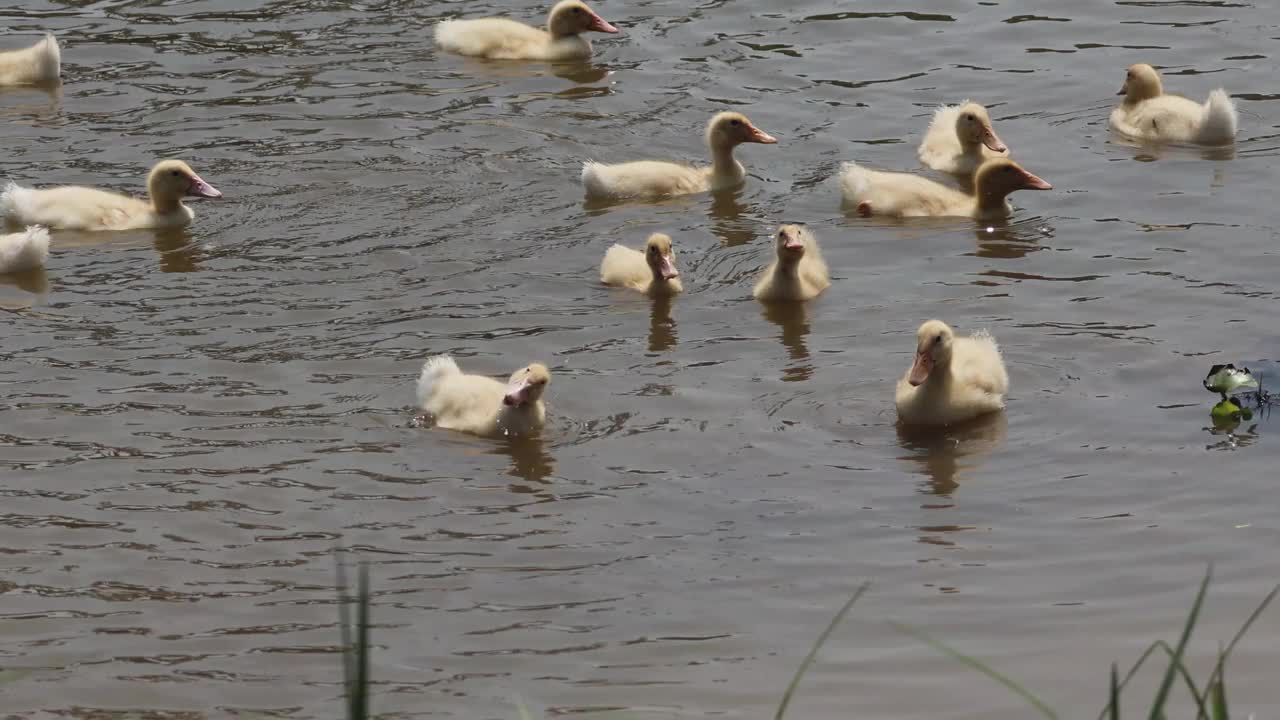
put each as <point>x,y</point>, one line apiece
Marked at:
<point>481,405</point>
<point>798,272</point>
<point>952,379</point>
<point>506,39</point>
<point>893,194</point>
<point>1148,113</point>
<point>652,272</point>
<point>655,179</point>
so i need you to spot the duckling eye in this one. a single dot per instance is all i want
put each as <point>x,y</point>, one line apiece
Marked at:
<point>176,173</point>
<point>577,11</point>
<point>735,123</point>
<point>937,339</point>
<point>968,116</point>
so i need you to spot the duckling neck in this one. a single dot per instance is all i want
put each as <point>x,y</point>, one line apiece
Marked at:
<point>164,203</point>
<point>990,199</point>
<point>722,162</point>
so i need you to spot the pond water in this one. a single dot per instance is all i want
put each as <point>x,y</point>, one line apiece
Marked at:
<point>193,420</point>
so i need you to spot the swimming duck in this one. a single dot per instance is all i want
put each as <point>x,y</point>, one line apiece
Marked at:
<point>505,39</point>
<point>653,178</point>
<point>652,272</point>
<point>959,139</point>
<point>892,194</point>
<point>481,405</point>
<point>798,272</point>
<point>1148,113</point>
<point>82,208</point>
<point>36,65</point>
<point>953,379</point>
<point>24,250</point>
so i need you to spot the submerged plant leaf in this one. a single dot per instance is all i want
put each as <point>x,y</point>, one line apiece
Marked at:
<point>813,653</point>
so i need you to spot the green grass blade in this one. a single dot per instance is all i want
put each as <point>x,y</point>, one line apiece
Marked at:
<point>1166,683</point>
<point>813,653</point>
<point>1231,646</point>
<point>1181,667</point>
<point>344,625</point>
<point>1218,688</point>
<point>980,667</point>
<point>1115,692</point>
<point>360,691</point>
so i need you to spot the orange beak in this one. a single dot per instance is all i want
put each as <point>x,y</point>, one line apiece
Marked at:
<point>756,135</point>
<point>1034,183</point>
<point>991,140</point>
<point>517,393</point>
<point>599,24</point>
<point>667,268</point>
<point>920,368</point>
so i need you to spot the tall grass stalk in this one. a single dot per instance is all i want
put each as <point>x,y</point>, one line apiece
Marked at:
<point>355,655</point>
<point>813,652</point>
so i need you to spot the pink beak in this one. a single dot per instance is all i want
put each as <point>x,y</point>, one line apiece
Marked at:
<point>517,393</point>
<point>793,243</point>
<point>991,140</point>
<point>599,24</point>
<point>1034,183</point>
<point>200,188</point>
<point>667,268</point>
<point>920,368</point>
<point>1124,89</point>
<point>759,136</point>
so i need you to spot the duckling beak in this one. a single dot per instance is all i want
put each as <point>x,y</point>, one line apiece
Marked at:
<point>200,188</point>
<point>1034,183</point>
<point>517,393</point>
<point>920,368</point>
<point>1124,89</point>
<point>793,243</point>
<point>991,140</point>
<point>667,267</point>
<point>757,135</point>
<point>599,24</point>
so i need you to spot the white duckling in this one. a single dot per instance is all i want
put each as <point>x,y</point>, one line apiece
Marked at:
<point>481,405</point>
<point>39,64</point>
<point>654,178</point>
<point>952,379</point>
<point>959,139</point>
<point>1148,113</point>
<point>505,39</point>
<point>82,208</point>
<point>24,250</point>
<point>798,272</point>
<point>652,272</point>
<point>893,194</point>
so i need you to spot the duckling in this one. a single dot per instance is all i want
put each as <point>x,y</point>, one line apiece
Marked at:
<point>798,273</point>
<point>891,194</point>
<point>39,64</point>
<point>959,139</point>
<point>952,379</point>
<point>481,405</point>
<point>654,178</point>
<point>1148,113</point>
<point>25,250</point>
<point>652,272</point>
<point>505,39</point>
<point>82,208</point>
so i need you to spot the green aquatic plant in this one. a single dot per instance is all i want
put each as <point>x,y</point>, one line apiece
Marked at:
<point>1224,379</point>
<point>355,642</point>
<point>1210,703</point>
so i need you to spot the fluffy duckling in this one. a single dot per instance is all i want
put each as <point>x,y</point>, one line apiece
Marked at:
<point>504,39</point>
<point>653,178</point>
<point>798,273</point>
<point>482,405</point>
<point>952,379</point>
<point>959,139</point>
<point>82,208</point>
<point>39,64</point>
<point>652,272</point>
<point>892,194</point>
<point>24,251</point>
<point>1148,113</point>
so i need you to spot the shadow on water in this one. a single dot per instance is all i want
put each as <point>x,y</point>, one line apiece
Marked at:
<point>729,221</point>
<point>662,329</point>
<point>178,254</point>
<point>793,319</point>
<point>1000,239</point>
<point>34,281</point>
<point>530,460</point>
<point>1151,152</point>
<point>39,101</point>
<point>942,454</point>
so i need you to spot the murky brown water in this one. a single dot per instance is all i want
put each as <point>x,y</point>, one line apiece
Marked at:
<point>192,420</point>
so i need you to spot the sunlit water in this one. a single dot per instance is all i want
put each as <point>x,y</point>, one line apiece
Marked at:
<point>194,419</point>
